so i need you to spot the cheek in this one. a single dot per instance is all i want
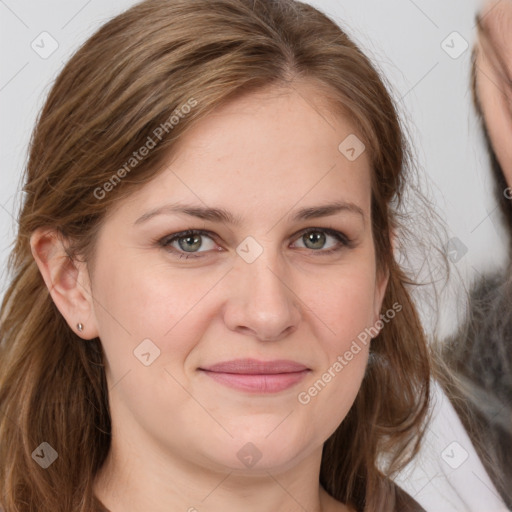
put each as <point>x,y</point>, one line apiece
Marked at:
<point>148,323</point>
<point>148,300</point>
<point>136,303</point>
<point>345,303</point>
<point>346,308</point>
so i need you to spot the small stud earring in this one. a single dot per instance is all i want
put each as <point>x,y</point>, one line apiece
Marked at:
<point>80,327</point>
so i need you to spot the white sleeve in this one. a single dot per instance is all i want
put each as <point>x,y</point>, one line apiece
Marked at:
<point>447,475</point>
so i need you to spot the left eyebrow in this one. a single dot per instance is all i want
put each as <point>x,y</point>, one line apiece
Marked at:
<point>315,212</point>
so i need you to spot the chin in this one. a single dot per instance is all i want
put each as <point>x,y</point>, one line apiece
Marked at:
<point>258,454</point>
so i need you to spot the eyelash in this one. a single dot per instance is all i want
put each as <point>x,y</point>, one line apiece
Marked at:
<point>344,241</point>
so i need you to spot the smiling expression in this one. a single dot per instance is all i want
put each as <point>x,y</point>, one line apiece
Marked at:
<point>254,243</point>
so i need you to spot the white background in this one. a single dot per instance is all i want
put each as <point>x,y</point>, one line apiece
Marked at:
<point>402,37</point>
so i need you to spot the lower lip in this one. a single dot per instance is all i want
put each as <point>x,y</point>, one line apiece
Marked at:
<point>258,383</point>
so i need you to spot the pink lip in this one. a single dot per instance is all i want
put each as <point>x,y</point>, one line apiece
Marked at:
<point>257,376</point>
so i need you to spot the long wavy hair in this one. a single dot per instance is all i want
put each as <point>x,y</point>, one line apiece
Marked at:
<point>475,364</point>
<point>121,85</point>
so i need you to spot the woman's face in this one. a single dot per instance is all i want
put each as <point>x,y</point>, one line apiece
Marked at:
<point>494,78</point>
<point>285,277</point>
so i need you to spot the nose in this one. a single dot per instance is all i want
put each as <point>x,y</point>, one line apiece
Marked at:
<point>261,299</point>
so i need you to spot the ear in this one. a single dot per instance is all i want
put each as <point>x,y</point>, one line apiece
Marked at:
<point>67,281</point>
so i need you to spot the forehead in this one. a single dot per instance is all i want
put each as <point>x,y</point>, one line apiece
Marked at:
<point>274,125</point>
<point>267,150</point>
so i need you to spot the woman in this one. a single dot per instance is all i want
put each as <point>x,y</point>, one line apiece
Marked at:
<point>205,312</point>
<point>478,371</point>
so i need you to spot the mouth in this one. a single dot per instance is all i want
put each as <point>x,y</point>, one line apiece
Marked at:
<point>257,376</point>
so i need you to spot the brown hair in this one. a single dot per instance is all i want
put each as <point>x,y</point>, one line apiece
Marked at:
<point>126,81</point>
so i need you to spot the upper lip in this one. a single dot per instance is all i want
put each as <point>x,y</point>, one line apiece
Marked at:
<point>254,366</point>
